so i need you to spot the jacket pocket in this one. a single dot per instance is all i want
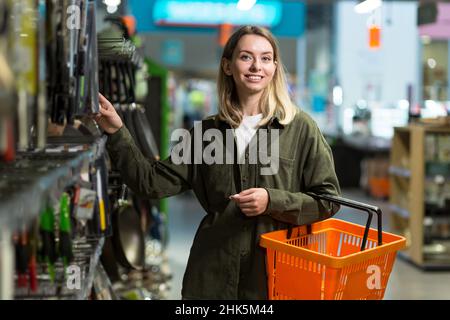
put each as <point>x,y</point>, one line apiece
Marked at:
<point>278,174</point>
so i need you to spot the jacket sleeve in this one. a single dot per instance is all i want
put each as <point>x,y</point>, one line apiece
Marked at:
<point>318,177</point>
<point>146,177</point>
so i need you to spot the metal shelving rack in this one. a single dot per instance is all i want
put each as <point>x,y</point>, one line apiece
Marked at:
<point>87,254</point>
<point>35,176</point>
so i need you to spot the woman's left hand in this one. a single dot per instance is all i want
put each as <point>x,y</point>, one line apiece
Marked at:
<point>252,202</point>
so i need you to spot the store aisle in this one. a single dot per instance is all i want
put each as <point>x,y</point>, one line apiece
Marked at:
<point>185,214</point>
<point>406,281</point>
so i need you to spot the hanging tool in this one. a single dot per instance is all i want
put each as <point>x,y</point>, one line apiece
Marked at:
<point>7,143</point>
<point>90,53</point>
<point>65,240</point>
<point>23,46</point>
<point>47,230</point>
<point>40,119</point>
<point>81,57</point>
<point>21,240</point>
<point>101,202</point>
<point>32,264</point>
<point>61,80</point>
<point>94,107</point>
<point>8,149</point>
<point>74,199</point>
<point>72,50</point>
<point>50,39</point>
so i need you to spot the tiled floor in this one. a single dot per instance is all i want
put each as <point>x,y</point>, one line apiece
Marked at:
<point>406,281</point>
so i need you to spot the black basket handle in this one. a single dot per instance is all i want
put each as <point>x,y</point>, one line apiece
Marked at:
<point>370,209</point>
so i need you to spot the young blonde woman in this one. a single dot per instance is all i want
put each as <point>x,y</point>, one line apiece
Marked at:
<point>241,203</point>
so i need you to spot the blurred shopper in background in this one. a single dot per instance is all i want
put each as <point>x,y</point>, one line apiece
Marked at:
<point>226,261</point>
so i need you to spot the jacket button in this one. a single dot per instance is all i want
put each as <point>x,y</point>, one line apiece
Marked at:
<point>244,253</point>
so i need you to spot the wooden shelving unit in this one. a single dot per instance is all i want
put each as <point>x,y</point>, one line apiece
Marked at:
<point>408,177</point>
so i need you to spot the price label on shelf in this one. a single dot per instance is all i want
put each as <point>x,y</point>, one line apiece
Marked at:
<point>86,205</point>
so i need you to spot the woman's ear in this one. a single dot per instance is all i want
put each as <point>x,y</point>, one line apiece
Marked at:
<point>226,67</point>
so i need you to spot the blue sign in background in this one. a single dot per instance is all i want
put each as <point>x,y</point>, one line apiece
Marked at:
<point>173,52</point>
<point>215,12</point>
<point>287,20</point>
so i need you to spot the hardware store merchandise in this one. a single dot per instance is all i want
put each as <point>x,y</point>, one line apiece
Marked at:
<point>78,223</point>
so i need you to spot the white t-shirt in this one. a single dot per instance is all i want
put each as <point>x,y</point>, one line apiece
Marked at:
<point>245,132</point>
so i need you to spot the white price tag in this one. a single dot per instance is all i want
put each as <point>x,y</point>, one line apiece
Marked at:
<point>86,204</point>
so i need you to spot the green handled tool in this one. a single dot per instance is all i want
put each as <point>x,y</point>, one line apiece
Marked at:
<point>47,229</point>
<point>65,242</point>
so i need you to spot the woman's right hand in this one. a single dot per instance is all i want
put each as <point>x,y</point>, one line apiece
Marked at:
<point>108,119</point>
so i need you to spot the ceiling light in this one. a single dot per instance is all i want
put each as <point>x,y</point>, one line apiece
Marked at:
<point>403,104</point>
<point>426,39</point>
<point>431,63</point>
<point>367,6</point>
<point>337,95</point>
<point>245,5</point>
<point>112,3</point>
<point>111,9</point>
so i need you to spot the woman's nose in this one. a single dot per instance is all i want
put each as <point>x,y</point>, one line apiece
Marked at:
<point>256,65</point>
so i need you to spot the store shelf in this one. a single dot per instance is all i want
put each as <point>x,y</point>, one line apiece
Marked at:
<point>85,291</point>
<point>400,211</point>
<point>411,175</point>
<point>96,145</point>
<point>87,254</point>
<point>34,176</point>
<point>368,143</point>
<point>426,265</point>
<point>400,172</point>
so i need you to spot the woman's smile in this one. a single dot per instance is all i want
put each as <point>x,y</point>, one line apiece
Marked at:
<point>254,78</point>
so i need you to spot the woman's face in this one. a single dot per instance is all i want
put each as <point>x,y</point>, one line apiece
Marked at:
<point>252,65</point>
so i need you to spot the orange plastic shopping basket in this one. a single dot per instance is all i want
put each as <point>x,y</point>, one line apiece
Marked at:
<point>331,259</point>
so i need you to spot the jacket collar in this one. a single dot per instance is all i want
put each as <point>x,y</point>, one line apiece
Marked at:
<point>274,122</point>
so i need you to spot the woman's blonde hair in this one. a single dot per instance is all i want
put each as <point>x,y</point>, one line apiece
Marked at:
<point>275,100</point>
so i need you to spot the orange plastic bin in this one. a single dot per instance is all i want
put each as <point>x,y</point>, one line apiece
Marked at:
<point>331,259</point>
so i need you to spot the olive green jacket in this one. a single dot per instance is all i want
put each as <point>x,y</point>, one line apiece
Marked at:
<point>226,261</point>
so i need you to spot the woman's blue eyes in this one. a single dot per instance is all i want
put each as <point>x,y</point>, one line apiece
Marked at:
<point>248,58</point>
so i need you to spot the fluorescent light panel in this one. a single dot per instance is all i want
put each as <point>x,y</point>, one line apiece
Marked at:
<point>111,3</point>
<point>245,5</point>
<point>367,6</point>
